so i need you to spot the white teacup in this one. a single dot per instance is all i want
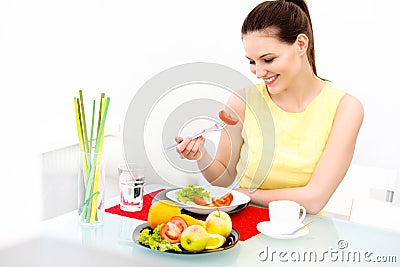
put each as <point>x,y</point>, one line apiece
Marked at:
<point>284,215</point>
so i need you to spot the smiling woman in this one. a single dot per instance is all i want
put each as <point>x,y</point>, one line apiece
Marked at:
<point>315,124</point>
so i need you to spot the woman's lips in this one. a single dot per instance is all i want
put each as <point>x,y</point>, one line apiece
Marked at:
<point>271,80</point>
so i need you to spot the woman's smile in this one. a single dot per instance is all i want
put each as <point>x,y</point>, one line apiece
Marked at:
<point>270,80</point>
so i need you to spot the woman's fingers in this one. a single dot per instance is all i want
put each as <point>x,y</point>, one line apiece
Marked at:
<point>194,150</point>
<point>190,149</point>
<point>198,144</point>
<point>198,147</point>
<point>178,139</point>
<point>183,142</point>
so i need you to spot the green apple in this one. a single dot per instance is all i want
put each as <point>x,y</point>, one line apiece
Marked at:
<point>194,238</point>
<point>219,222</point>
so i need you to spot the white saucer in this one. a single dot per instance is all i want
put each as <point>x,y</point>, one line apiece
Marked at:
<point>269,229</point>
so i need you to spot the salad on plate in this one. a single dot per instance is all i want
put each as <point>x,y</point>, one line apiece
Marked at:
<point>203,200</point>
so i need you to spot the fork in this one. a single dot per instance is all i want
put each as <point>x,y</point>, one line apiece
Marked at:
<point>218,126</point>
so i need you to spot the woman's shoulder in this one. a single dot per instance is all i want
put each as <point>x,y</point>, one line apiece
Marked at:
<point>347,100</point>
<point>351,104</point>
<point>350,107</point>
<point>243,96</point>
<point>239,99</point>
<point>332,89</point>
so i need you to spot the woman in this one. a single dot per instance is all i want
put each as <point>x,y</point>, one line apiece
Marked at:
<point>316,125</point>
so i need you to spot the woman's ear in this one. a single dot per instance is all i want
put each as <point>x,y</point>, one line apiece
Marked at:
<point>302,43</point>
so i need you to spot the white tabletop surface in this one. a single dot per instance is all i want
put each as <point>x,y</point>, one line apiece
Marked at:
<point>64,242</point>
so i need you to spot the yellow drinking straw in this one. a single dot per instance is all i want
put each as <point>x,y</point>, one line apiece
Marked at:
<point>83,119</point>
<point>81,145</point>
<point>93,213</point>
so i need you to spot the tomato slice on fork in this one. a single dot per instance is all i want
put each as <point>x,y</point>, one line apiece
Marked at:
<point>227,118</point>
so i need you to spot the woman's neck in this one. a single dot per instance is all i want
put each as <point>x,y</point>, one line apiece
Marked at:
<point>306,87</point>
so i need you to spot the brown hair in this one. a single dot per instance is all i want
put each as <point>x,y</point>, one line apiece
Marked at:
<point>284,19</point>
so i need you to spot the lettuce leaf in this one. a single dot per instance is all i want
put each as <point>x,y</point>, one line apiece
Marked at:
<point>152,238</point>
<point>186,195</point>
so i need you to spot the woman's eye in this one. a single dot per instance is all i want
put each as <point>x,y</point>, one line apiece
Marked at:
<point>267,60</point>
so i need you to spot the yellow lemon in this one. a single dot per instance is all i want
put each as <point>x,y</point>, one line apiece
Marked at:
<point>161,211</point>
<point>192,221</point>
<point>215,241</point>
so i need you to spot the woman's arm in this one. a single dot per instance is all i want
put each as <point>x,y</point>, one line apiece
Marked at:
<point>332,165</point>
<point>221,170</point>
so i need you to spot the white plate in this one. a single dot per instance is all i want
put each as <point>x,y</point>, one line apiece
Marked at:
<point>269,229</point>
<point>215,191</point>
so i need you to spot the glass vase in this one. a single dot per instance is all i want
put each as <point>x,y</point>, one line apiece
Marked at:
<point>91,185</point>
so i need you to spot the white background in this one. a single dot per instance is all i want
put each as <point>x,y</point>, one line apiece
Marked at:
<point>51,49</point>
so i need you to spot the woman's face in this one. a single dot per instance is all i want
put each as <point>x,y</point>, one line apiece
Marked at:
<point>277,63</point>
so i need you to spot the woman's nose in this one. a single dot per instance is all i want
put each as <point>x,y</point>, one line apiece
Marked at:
<point>260,71</point>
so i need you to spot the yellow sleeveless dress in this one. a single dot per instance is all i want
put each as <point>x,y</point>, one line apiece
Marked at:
<point>281,149</point>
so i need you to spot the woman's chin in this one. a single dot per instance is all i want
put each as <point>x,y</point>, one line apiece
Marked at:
<point>273,90</point>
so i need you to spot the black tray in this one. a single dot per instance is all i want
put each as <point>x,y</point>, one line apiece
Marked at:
<point>230,242</point>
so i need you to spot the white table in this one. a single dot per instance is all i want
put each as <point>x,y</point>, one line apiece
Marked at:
<point>64,242</point>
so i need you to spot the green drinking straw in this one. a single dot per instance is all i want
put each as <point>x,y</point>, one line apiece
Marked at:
<point>83,136</point>
<point>101,107</point>
<point>84,121</point>
<point>91,130</point>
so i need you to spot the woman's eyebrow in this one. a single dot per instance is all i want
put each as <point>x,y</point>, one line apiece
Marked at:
<point>267,54</point>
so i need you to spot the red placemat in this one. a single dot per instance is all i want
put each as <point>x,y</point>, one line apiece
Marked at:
<point>245,221</point>
<point>140,215</point>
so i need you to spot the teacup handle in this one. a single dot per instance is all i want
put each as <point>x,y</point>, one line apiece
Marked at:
<point>303,215</point>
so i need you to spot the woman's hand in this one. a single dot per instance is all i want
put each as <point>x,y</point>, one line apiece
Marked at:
<point>190,149</point>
